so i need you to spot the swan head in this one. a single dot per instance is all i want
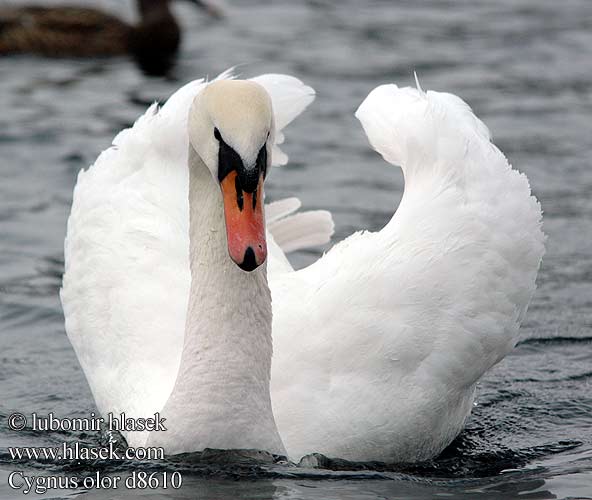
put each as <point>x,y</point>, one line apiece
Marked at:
<point>231,128</point>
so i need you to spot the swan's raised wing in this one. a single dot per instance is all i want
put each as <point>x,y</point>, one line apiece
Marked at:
<point>377,338</point>
<point>127,278</point>
<point>289,98</point>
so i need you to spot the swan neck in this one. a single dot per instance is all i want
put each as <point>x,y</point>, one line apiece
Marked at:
<point>222,386</point>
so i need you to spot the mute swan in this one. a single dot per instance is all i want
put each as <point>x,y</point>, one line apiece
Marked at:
<point>67,31</point>
<point>378,345</point>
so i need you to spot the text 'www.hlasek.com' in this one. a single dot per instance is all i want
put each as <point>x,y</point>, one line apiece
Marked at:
<point>75,451</point>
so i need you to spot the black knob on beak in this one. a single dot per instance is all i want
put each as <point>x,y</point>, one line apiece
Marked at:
<point>249,263</point>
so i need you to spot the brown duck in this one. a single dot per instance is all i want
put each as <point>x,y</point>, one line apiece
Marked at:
<point>67,31</point>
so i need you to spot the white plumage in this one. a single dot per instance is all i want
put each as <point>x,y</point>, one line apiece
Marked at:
<point>395,328</point>
<point>379,344</point>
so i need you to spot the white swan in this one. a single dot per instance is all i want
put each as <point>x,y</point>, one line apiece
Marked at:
<point>378,345</point>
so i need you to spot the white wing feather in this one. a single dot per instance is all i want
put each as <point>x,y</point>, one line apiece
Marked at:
<point>302,230</point>
<point>279,209</point>
<point>289,97</point>
<point>379,344</point>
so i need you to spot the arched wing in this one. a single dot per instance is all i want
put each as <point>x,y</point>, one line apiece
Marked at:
<point>127,277</point>
<point>426,305</point>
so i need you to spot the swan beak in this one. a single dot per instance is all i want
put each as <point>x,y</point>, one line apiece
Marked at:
<point>245,222</point>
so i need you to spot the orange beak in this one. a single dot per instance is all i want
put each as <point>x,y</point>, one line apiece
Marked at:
<point>245,222</point>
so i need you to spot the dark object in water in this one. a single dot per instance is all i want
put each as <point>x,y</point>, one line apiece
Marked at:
<point>67,31</point>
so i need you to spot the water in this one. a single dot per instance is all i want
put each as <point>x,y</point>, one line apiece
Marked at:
<point>524,66</point>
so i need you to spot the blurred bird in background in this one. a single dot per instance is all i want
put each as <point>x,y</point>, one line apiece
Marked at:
<point>70,31</point>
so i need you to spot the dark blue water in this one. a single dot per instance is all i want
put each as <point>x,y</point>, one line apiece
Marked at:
<point>525,67</point>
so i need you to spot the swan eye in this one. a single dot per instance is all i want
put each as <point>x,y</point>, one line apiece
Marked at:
<point>217,135</point>
<point>262,161</point>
